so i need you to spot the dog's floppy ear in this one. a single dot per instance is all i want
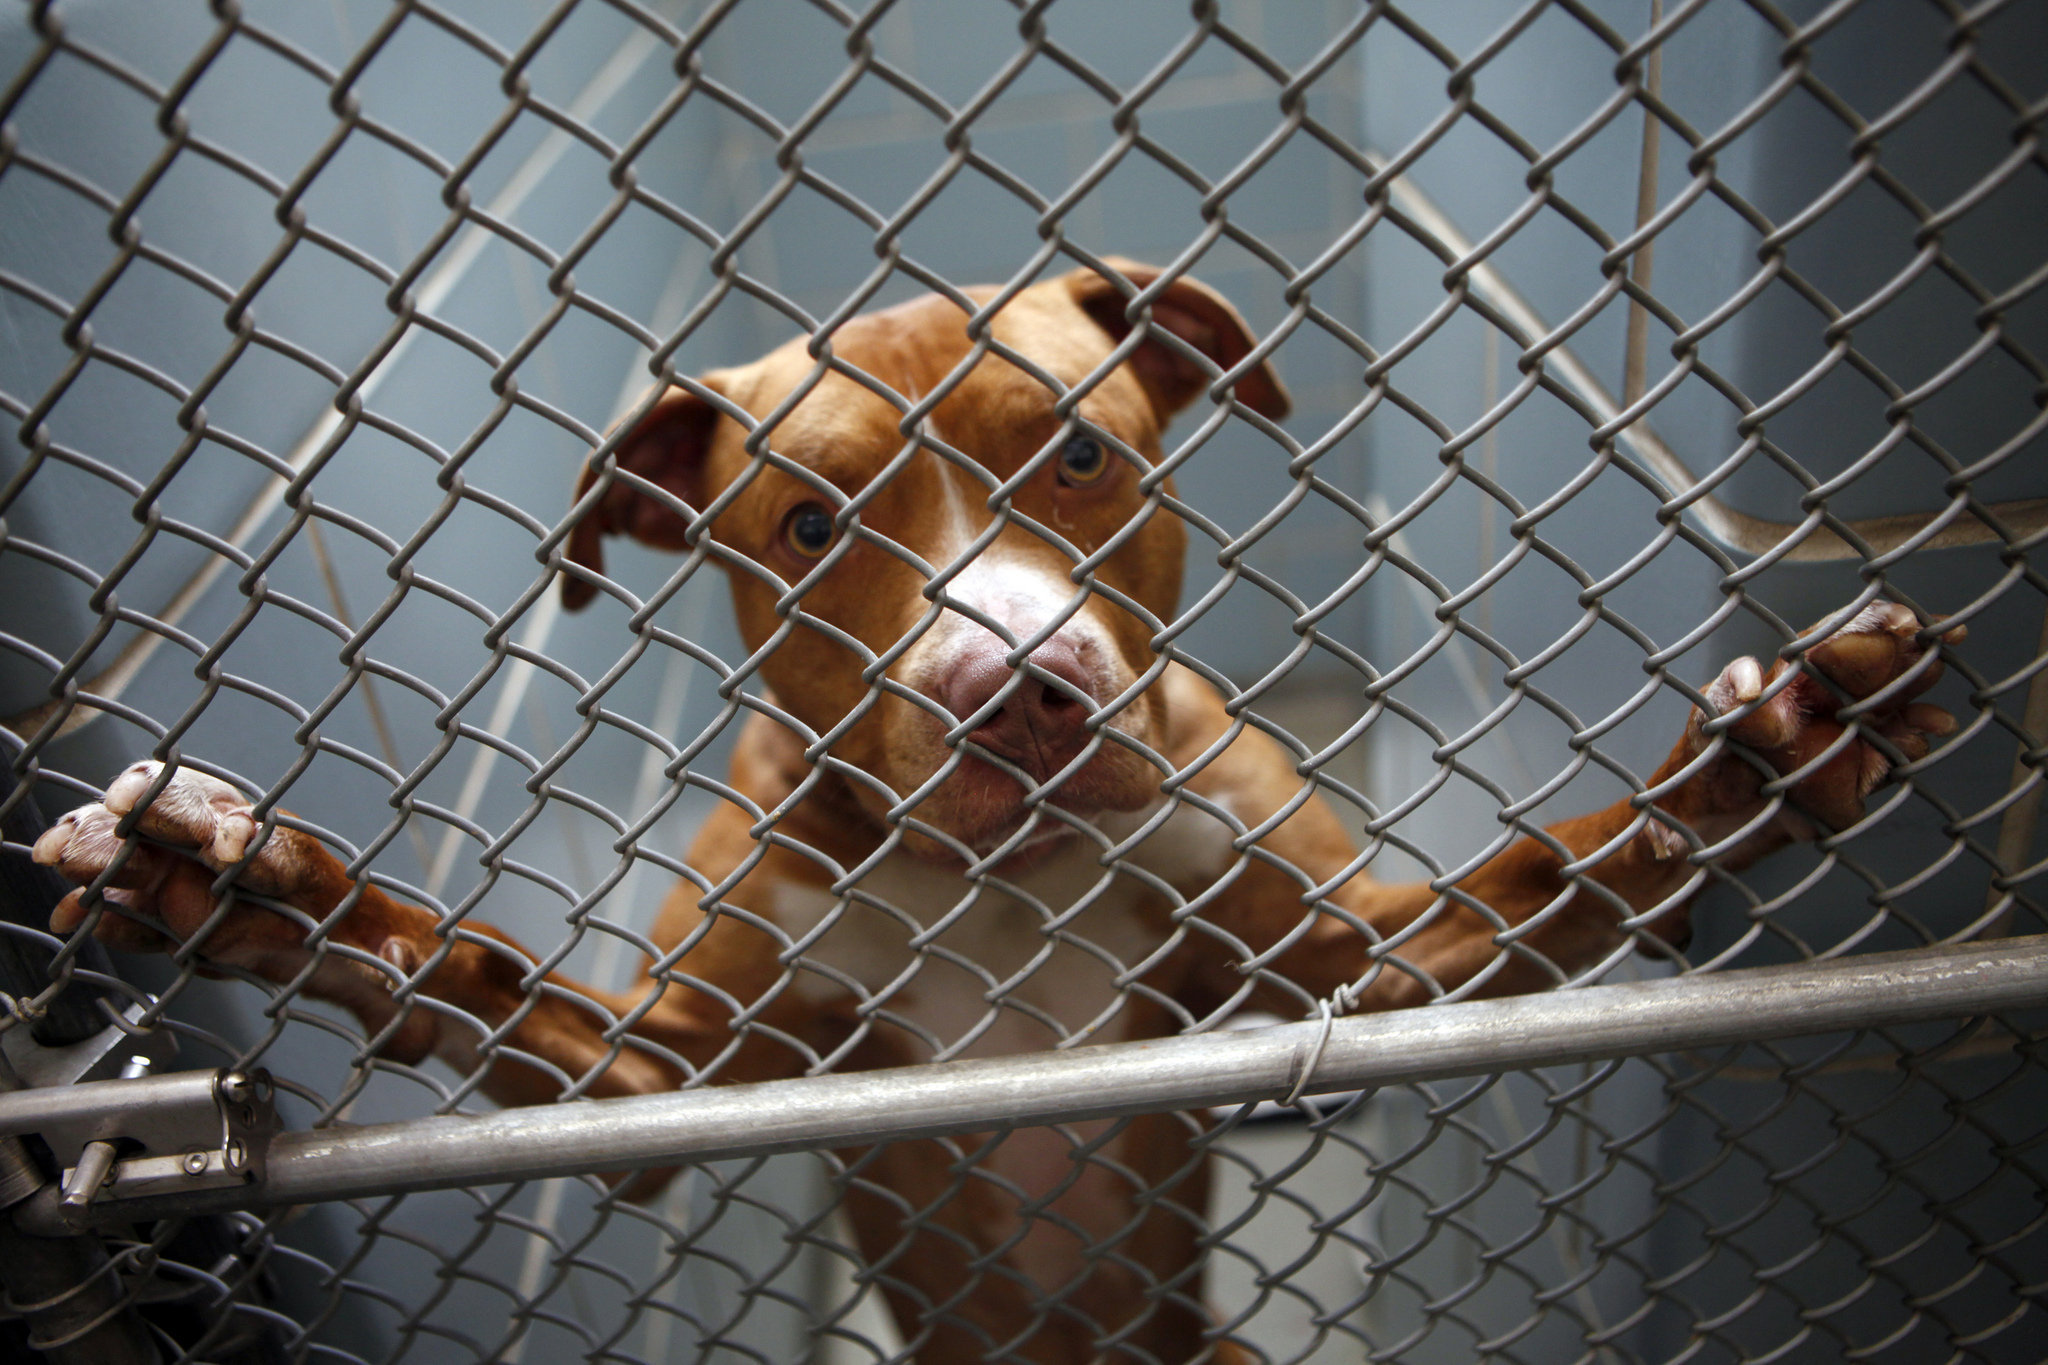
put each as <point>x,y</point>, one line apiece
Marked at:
<point>1197,315</point>
<point>667,447</point>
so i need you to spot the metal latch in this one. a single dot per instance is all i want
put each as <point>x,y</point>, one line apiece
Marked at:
<point>128,1139</point>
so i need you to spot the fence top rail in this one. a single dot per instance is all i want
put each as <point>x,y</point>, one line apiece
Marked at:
<point>854,1109</point>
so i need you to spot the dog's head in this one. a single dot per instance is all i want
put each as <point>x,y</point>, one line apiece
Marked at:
<point>899,571</point>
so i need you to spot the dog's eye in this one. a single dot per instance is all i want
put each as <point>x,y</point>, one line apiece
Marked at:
<point>1082,461</point>
<point>808,529</point>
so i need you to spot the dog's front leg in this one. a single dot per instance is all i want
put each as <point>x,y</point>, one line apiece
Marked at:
<point>463,991</point>
<point>1780,765</point>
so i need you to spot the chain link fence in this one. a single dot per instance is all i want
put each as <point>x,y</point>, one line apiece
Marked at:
<point>1623,340</point>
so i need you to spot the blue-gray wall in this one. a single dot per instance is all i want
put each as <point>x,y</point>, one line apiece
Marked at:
<point>319,315</point>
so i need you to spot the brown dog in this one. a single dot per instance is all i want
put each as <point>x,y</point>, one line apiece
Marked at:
<point>980,814</point>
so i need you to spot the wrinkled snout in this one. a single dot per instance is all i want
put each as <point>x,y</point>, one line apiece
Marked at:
<point>1040,723</point>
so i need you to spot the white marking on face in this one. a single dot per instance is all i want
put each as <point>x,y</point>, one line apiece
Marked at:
<point>958,532</point>
<point>1019,589</point>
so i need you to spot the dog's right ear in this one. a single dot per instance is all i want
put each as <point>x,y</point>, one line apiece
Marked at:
<point>1195,314</point>
<point>667,447</point>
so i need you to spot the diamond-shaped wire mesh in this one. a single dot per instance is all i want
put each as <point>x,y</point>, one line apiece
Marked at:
<point>1624,340</point>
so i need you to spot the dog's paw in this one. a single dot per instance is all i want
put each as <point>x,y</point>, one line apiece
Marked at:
<point>1799,716</point>
<point>161,889</point>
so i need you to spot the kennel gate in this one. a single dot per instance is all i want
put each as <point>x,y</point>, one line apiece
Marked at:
<point>1627,338</point>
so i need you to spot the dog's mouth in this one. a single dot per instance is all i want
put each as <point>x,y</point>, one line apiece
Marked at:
<point>1024,844</point>
<point>1027,761</point>
<point>1012,855</point>
<point>1022,806</point>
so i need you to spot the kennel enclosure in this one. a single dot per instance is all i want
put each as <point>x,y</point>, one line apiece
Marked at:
<point>1626,339</point>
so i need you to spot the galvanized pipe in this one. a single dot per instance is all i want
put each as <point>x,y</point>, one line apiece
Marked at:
<point>1474,1038</point>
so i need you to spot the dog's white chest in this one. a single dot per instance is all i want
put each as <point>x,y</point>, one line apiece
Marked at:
<point>967,970</point>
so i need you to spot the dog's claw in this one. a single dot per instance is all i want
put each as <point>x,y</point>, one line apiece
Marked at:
<point>51,844</point>
<point>127,789</point>
<point>232,834</point>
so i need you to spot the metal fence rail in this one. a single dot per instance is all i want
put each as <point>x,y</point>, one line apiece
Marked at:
<point>1624,340</point>
<point>1600,1023</point>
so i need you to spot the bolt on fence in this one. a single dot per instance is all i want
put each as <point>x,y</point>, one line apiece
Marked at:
<point>1231,456</point>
